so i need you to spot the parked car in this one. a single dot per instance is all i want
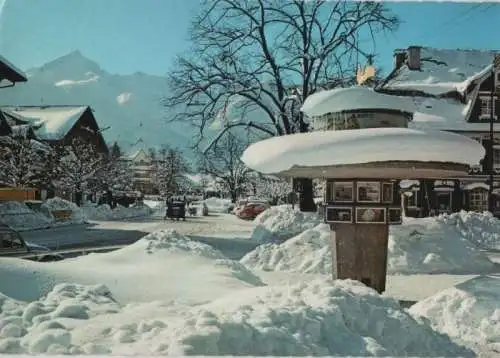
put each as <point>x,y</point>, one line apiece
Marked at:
<point>251,210</point>
<point>198,207</point>
<point>177,210</point>
<point>12,244</point>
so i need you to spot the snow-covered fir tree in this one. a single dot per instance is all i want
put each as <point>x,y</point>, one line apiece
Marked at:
<point>23,162</point>
<point>115,174</point>
<point>169,171</point>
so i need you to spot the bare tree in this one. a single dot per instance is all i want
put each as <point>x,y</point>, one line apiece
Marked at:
<point>272,188</point>
<point>222,161</point>
<point>169,169</point>
<point>254,62</point>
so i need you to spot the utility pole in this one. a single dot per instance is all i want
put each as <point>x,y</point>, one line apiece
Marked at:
<point>494,68</point>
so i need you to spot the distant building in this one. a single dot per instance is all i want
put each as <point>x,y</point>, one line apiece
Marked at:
<point>141,164</point>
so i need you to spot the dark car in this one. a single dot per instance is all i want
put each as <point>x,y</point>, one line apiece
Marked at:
<point>12,244</point>
<point>176,210</point>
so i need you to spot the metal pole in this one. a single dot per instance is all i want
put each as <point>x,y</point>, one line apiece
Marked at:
<point>492,161</point>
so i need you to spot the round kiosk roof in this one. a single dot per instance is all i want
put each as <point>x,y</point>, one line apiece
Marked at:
<point>353,98</point>
<point>385,153</point>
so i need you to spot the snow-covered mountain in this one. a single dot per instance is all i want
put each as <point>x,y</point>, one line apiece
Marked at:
<point>129,104</point>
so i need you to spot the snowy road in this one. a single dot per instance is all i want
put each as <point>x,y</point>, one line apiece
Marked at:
<point>214,230</point>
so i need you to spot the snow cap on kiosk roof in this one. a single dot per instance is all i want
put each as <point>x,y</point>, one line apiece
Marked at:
<point>357,97</point>
<point>361,147</point>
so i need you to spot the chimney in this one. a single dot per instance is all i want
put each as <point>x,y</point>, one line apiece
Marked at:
<point>399,58</point>
<point>414,58</point>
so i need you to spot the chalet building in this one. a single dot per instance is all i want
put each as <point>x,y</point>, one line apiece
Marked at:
<point>57,125</point>
<point>54,126</point>
<point>456,91</point>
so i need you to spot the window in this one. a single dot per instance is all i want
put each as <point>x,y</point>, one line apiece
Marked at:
<point>413,199</point>
<point>486,107</point>
<point>496,157</point>
<point>443,200</point>
<point>478,200</point>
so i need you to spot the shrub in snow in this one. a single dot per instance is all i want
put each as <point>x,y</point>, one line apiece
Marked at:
<point>318,318</point>
<point>433,245</point>
<point>468,312</point>
<point>37,327</point>
<point>20,217</point>
<point>279,223</point>
<point>77,214</point>
<point>308,252</point>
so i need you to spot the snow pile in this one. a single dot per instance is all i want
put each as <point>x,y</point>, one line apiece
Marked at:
<point>431,245</point>
<point>317,318</point>
<point>156,267</point>
<point>104,212</point>
<point>216,205</point>
<point>308,252</point>
<point>420,246</point>
<point>468,312</point>
<point>279,223</point>
<point>77,214</point>
<point>44,326</point>
<point>20,217</point>
<point>482,229</point>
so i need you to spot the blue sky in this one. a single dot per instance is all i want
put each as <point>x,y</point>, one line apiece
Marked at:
<point>125,36</point>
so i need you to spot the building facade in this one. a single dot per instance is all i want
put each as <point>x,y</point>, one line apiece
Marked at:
<point>141,164</point>
<point>451,90</point>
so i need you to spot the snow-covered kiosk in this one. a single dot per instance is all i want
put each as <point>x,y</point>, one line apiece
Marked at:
<point>360,167</point>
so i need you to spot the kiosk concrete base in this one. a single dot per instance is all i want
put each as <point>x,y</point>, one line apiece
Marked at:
<point>360,253</point>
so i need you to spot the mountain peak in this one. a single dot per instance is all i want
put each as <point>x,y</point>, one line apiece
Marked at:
<point>74,62</point>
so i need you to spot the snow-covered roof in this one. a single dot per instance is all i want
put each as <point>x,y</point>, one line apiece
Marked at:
<point>360,146</point>
<point>442,71</point>
<point>12,73</point>
<point>352,98</point>
<point>49,122</point>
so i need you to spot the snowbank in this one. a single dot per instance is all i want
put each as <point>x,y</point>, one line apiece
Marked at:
<point>77,214</point>
<point>161,266</point>
<point>468,312</point>
<point>216,205</point>
<point>20,217</point>
<point>308,252</point>
<point>482,229</point>
<point>279,223</point>
<point>420,246</point>
<point>104,212</point>
<point>433,245</point>
<point>316,318</point>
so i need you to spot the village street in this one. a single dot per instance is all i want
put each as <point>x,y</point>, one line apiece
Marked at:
<point>222,231</point>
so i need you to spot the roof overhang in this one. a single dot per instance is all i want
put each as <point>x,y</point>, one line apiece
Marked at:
<point>10,73</point>
<point>379,171</point>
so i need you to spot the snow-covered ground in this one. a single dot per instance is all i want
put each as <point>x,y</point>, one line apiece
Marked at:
<point>169,295</point>
<point>172,294</point>
<point>20,217</point>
